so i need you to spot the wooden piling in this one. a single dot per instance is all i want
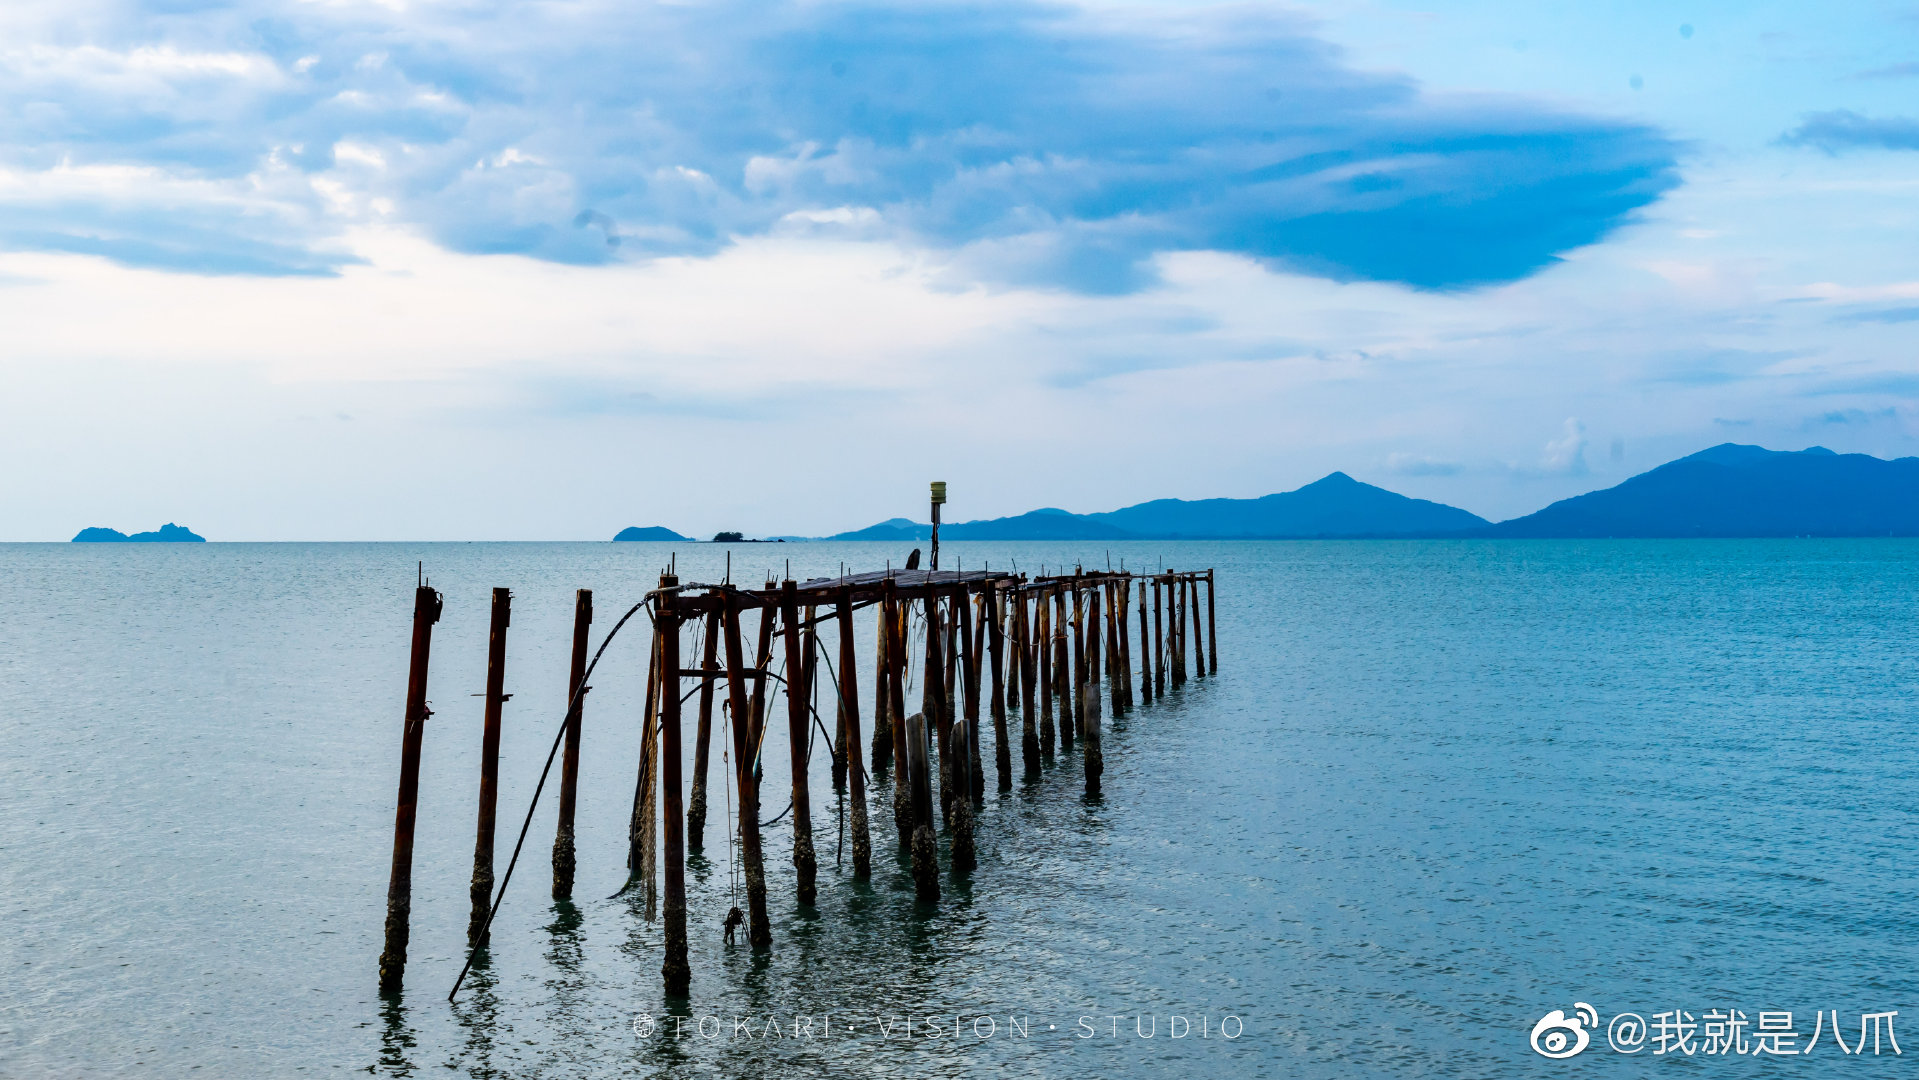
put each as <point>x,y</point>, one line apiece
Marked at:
<point>932,707</point>
<point>1090,750</point>
<point>745,747</point>
<point>709,667</point>
<point>882,754</point>
<point>399,892</point>
<point>1159,641</point>
<point>640,822</point>
<point>996,649</point>
<point>1029,734</point>
<point>936,700</point>
<point>925,849</point>
<point>1176,643</point>
<point>480,890</point>
<point>1192,605</point>
<point>969,643</point>
<point>1145,650</point>
<point>1116,677</point>
<point>674,969</point>
<point>1074,706</point>
<point>850,722</point>
<point>798,724</point>
<point>563,858</point>
<point>894,683</point>
<point>1212,628</point>
<point>1048,694</point>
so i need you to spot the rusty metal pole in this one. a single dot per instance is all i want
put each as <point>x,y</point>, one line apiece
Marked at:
<point>399,893</point>
<point>639,826</point>
<point>797,728</point>
<point>709,666</point>
<point>563,860</point>
<point>745,744</point>
<point>480,890</point>
<point>675,971</point>
<point>850,713</point>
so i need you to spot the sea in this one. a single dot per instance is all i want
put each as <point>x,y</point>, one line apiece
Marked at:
<point>1436,792</point>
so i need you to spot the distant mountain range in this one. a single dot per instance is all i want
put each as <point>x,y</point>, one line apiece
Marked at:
<point>165,534</point>
<point>1732,490</point>
<point>1726,491</point>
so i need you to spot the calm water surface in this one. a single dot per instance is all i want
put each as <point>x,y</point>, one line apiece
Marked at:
<point>1436,790</point>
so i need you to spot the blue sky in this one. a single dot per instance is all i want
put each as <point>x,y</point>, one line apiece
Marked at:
<point>329,269</point>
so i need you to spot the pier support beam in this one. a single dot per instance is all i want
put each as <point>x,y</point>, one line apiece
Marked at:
<point>563,860</point>
<point>850,720</point>
<point>674,970</point>
<point>1212,628</point>
<point>1145,650</point>
<point>640,835</point>
<point>702,738</point>
<point>480,890</point>
<point>883,721</point>
<point>1029,733</point>
<point>746,739</point>
<point>399,891</point>
<point>805,862</point>
<point>1199,636</point>
<point>996,650</point>
<point>1090,750</point>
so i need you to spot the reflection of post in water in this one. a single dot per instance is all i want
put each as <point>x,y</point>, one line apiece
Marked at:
<point>396,1039</point>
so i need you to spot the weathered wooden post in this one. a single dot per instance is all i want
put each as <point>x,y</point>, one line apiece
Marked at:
<point>1048,692</point>
<point>640,822</point>
<point>1212,628</point>
<point>1192,605</point>
<point>1159,642</point>
<point>850,718</point>
<point>925,849</point>
<point>1123,676</point>
<point>745,745</point>
<point>1029,734</point>
<point>936,699</point>
<point>996,646</point>
<point>1176,641</point>
<point>674,970</point>
<point>480,890</point>
<point>975,787</point>
<point>570,764</point>
<point>399,892</point>
<point>1073,704</point>
<point>709,668</point>
<point>1145,650</point>
<point>1089,730</point>
<point>883,719</point>
<point>894,685</point>
<point>797,724</point>
<point>1115,616</point>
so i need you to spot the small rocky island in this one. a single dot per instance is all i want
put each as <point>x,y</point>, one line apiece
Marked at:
<point>165,534</point>
<point>650,532</point>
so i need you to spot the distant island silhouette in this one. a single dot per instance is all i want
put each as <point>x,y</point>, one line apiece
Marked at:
<point>165,534</point>
<point>650,532</point>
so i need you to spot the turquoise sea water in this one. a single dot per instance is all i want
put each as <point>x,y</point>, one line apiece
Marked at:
<point>1437,790</point>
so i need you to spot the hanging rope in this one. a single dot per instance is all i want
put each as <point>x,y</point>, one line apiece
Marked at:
<point>558,737</point>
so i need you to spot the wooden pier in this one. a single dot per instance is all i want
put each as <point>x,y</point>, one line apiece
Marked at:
<point>1048,646</point>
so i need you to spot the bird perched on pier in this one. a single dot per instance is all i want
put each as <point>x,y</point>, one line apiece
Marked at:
<point>734,919</point>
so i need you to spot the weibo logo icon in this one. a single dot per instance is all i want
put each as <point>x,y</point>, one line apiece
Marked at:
<point>1560,1036</point>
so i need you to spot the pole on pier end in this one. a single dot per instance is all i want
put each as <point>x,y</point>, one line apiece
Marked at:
<point>481,888</point>
<point>1123,640</point>
<point>399,893</point>
<point>805,862</point>
<point>1159,641</point>
<point>745,747</point>
<point>850,719</point>
<point>563,859</point>
<point>1115,615</point>
<point>1212,628</point>
<point>703,736</point>
<point>674,970</point>
<point>1089,730</point>
<point>996,649</point>
<point>1176,641</point>
<point>939,500</point>
<point>1048,680</point>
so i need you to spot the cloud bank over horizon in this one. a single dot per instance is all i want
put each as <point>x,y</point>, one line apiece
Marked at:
<point>1031,144</point>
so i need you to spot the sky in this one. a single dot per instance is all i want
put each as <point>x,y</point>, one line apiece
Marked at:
<point>356,270</point>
